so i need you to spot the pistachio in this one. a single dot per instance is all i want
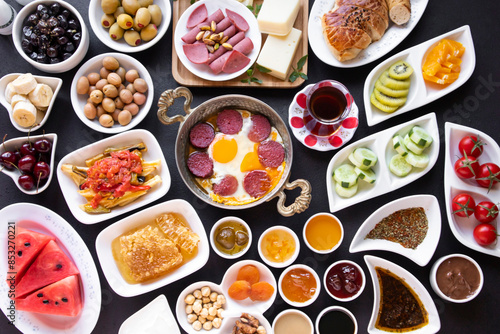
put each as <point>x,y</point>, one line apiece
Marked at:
<point>227,46</point>
<point>213,26</point>
<point>208,41</point>
<point>224,39</point>
<point>206,34</point>
<point>216,46</point>
<point>200,35</point>
<point>210,48</point>
<point>205,28</point>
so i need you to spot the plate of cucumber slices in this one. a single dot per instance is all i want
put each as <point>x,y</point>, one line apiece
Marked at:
<point>382,162</point>
<point>397,85</point>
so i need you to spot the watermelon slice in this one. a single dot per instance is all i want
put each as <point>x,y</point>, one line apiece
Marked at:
<point>60,298</point>
<point>28,245</point>
<point>51,265</point>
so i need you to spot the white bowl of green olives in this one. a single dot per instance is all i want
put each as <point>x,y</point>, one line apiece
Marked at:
<point>57,26</point>
<point>129,25</point>
<point>97,93</point>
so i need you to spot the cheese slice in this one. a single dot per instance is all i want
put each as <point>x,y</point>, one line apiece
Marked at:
<point>278,52</point>
<point>276,17</point>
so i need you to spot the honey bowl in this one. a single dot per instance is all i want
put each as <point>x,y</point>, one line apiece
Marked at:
<point>323,233</point>
<point>278,246</point>
<point>299,285</point>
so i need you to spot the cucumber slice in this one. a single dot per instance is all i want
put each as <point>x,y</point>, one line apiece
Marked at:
<point>399,146</point>
<point>398,166</point>
<point>366,156</point>
<point>419,161</point>
<point>367,175</point>
<point>355,161</point>
<point>420,136</point>
<point>412,146</point>
<point>345,176</point>
<point>346,192</point>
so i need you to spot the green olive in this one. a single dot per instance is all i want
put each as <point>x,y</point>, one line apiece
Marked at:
<point>119,103</point>
<point>140,85</point>
<point>90,111</point>
<point>115,114</point>
<point>130,6</point>
<point>103,72</point>
<point>110,63</point>
<point>106,120</point>
<point>110,91</point>
<point>101,83</point>
<point>100,111</point>
<point>132,107</point>
<point>142,17</point>
<point>108,104</point>
<point>96,96</point>
<point>145,3</point>
<point>114,79</point>
<point>124,117</point>
<point>156,15</point>
<point>149,32</point>
<point>125,21</point>
<point>107,20</point>
<point>118,11</point>
<point>131,88</point>
<point>131,75</point>
<point>139,98</point>
<point>93,78</point>
<point>121,72</point>
<point>116,32</point>
<point>132,37</point>
<point>126,96</point>
<point>109,6</point>
<point>82,85</point>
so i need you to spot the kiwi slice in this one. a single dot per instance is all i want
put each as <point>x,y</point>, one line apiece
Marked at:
<point>388,100</point>
<point>381,106</point>
<point>391,92</point>
<point>400,70</point>
<point>389,82</point>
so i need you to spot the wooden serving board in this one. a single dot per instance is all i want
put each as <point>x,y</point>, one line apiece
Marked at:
<point>184,77</point>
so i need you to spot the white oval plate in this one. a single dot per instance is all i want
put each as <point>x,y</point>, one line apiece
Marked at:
<point>393,35</point>
<point>78,157</point>
<point>463,228</point>
<point>202,70</point>
<point>49,222</point>
<point>381,144</point>
<point>54,83</point>
<point>434,322</point>
<point>95,14</point>
<point>15,143</point>
<point>108,263</point>
<point>155,317</point>
<point>94,65</point>
<point>421,92</point>
<point>420,255</point>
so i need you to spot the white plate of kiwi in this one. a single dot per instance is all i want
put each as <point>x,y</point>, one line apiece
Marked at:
<point>397,85</point>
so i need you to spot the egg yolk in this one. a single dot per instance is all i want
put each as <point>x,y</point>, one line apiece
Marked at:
<point>251,162</point>
<point>224,150</point>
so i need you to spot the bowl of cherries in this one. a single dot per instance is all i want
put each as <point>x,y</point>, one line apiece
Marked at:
<point>29,161</point>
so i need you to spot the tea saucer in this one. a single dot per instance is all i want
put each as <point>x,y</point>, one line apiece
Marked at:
<point>333,142</point>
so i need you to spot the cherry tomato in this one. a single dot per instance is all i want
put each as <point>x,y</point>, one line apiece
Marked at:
<point>486,211</point>
<point>463,205</point>
<point>485,234</point>
<point>466,167</point>
<point>487,175</point>
<point>471,146</point>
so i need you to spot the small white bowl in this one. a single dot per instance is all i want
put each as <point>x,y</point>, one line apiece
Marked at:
<point>54,83</point>
<point>291,259</point>
<point>318,285</point>
<point>298,313</point>
<point>327,251</point>
<point>212,237</point>
<point>64,66</point>
<point>337,309</point>
<point>435,286</point>
<point>14,144</point>
<point>363,281</point>
<point>95,14</point>
<point>94,65</point>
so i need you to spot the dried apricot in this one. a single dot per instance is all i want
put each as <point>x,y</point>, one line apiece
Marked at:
<point>248,273</point>
<point>239,290</point>
<point>261,291</point>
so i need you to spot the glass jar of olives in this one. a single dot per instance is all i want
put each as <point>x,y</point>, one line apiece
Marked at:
<point>230,237</point>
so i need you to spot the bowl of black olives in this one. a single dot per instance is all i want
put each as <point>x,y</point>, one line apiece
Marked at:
<point>51,35</point>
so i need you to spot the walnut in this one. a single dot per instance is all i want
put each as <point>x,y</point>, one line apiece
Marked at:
<point>261,330</point>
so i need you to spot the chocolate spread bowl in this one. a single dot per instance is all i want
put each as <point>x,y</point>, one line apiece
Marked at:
<point>211,107</point>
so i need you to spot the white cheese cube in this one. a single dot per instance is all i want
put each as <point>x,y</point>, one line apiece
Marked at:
<point>278,52</point>
<point>276,17</point>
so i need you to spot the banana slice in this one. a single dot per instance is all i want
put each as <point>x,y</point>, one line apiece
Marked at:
<point>24,83</point>
<point>24,114</point>
<point>41,95</point>
<point>18,98</point>
<point>9,92</point>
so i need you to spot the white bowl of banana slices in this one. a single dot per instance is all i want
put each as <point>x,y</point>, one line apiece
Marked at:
<point>28,99</point>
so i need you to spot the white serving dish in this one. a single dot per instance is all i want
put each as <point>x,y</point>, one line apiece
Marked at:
<point>155,317</point>
<point>94,65</point>
<point>434,322</point>
<point>420,255</point>
<point>54,83</point>
<point>463,228</point>
<point>381,144</point>
<point>232,308</point>
<point>393,35</point>
<point>64,66</point>
<point>78,157</point>
<point>14,174</point>
<point>40,219</point>
<point>421,92</point>
<point>202,70</point>
<point>291,259</point>
<point>212,237</point>
<point>95,14</point>
<point>108,263</point>
<point>309,301</point>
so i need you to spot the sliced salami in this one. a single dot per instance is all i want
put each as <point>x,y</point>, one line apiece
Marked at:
<point>229,121</point>
<point>200,164</point>
<point>226,187</point>
<point>201,135</point>
<point>271,153</point>
<point>198,16</point>
<point>223,25</point>
<point>236,61</point>
<point>260,130</point>
<point>197,53</point>
<point>257,183</point>
<point>238,20</point>
<point>190,36</point>
<point>244,46</point>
